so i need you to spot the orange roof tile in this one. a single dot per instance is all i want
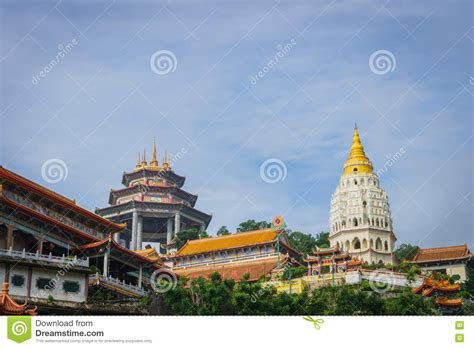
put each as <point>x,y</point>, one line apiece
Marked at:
<point>230,241</point>
<point>149,253</point>
<point>70,204</point>
<point>8,306</point>
<point>442,254</point>
<point>236,271</point>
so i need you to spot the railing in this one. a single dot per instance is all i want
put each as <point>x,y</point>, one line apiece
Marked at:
<point>51,213</point>
<point>224,260</point>
<point>118,283</point>
<point>65,260</point>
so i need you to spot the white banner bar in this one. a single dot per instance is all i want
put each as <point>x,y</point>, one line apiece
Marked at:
<point>219,332</point>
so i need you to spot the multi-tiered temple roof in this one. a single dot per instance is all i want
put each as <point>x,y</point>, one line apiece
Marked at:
<point>153,204</point>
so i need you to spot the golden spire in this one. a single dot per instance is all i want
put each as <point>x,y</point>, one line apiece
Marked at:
<point>154,162</point>
<point>357,162</point>
<point>138,165</point>
<point>166,162</point>
<point>144,158</point>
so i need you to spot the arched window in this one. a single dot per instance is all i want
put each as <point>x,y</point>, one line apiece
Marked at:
<point>355,170</point>
<point>377,222</point>
<point>356,244</point>
<point>355,182</point>
<point>371,243</point>
<point>355,222</point>
<point>348,245</point>
<point>364,244</point>
<point>364,204</point>
<point>378,244</point>
<point>385,246</point>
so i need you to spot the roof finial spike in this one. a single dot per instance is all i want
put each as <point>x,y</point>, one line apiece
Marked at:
<point>144,163</point>
<point>355,125</point>
<point>154,161</point>
<point>138,165</point>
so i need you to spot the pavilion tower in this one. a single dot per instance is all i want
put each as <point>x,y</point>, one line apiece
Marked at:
<point>360,218</point>
<point>153,205</point>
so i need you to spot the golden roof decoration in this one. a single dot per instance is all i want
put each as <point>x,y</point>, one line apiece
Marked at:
<point>153,165</point>
<point>357,162</point>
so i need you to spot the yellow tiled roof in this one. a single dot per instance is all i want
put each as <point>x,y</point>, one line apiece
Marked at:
<point>227,242</point>
<point>150,253</point>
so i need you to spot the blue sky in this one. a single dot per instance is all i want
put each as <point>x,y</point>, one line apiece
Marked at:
<point>102,103</point>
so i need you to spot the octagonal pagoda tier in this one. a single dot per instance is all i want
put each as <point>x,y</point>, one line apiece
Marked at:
<point>153,205</point>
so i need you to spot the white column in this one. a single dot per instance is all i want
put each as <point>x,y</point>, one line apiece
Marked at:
<point>169,230</point>
<point>117,237</point>
<point>177,223</point>
<point>133,242</point>
<point>106,262</point>
<point>140,277</point>
<point>139,232</point>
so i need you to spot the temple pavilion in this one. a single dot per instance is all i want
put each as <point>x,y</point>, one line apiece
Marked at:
<point>254,253</point>
<point>153,205</point>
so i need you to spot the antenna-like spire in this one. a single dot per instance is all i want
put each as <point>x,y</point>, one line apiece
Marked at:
<point>144,158</point>
<point>138,165</point>
<point>154,161</point>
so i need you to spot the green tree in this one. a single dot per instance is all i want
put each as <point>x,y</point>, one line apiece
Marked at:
<point>303,242</point>
<point>406,252</point>
<point>322,239</point>
<point>189,234</point>
<point>252,225</point>
<point>468,284</point>
<point>223,231</point>
<point>408,303</point>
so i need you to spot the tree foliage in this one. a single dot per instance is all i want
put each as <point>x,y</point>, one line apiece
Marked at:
<point>223,231</point>
<point>217,296</point>
<point>189,234</point>
<point>406,252</point>
<point>252,225</point>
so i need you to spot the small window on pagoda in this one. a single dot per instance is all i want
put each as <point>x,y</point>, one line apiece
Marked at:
<point>355,182</point>
<point>355,170</point>
<point>71,287</point>
<point>44,284</point>
<point>18,280</point>
<point>364,204</point>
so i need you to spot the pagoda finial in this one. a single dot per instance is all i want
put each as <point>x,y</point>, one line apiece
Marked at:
<point>154,161</point>
<point>166,162</point>
<point>357,163</point>
<point>355,125</point>
<point>144,158</point>
<point>138,165</point>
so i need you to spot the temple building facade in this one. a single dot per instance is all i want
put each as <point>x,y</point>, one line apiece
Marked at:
<point>153,205</point>
<point>360,220</point>
<point>54,254</point>
<point>452,260</point>
<point>253,253</point>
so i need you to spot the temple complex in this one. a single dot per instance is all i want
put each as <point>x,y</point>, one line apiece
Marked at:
<point>444,293</point>
<point>153,205</point>
<point>330,260</point>
<point>360,220</point>
<point>56,254</point>
<point>256,253</point>
<point>451,260</point>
